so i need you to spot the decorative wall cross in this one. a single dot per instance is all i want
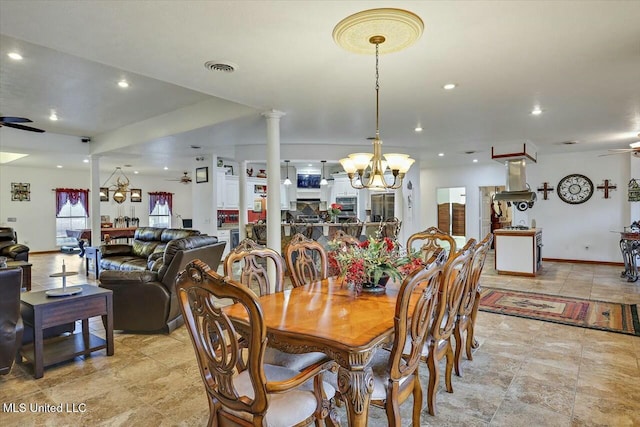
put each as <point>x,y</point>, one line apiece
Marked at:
<point>606,187</point>
<point>545,189</point>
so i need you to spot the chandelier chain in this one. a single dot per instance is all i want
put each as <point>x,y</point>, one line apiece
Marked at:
<point>377,93</point>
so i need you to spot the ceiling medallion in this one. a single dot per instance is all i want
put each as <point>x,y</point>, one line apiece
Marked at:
<point>389,30</point>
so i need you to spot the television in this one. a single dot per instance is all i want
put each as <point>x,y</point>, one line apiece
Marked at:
<point>309,181</point>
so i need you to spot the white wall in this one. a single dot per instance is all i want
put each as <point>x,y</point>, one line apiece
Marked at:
<point>36,218</point>
<point>576,232</point>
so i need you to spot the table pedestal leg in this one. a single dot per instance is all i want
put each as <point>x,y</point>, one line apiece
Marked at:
<point>356,388</point>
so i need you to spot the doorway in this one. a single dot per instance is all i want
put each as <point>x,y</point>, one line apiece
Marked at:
<point>493,214</point>
<point>451,210</point>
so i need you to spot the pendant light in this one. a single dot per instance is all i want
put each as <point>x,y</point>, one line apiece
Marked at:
<point>287,181</point>
<point>401,28</point>
<point>323,181</point>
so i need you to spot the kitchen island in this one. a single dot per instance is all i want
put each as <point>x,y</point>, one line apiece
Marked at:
<point>518,251</point>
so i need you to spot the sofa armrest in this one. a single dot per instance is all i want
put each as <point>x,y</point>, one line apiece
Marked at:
<point>117,278</point>
<point>118,249</point>
<point>12,251</point>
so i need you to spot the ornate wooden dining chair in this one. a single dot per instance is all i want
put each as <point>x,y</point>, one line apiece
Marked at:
<point>253,274</point>
<point>395,372</point>
<point>469,305</point>
<point>304,228</point>
<point>390,228</point>
<point>438,343</point>
<point>259,230</point>
<point>306,260</point>
<point>345,239</point>
<point>353,227</point>
<point>251,393</point>
<point>253,259</point>
<point>431,239</point>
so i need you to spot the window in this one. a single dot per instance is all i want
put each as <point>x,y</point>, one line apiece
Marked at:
<point>160,216</point>
<point>160,204</point>
<point>71,212</point>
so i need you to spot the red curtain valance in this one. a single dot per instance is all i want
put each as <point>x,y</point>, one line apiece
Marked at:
<point>73,196</point>
<point>161,198</point>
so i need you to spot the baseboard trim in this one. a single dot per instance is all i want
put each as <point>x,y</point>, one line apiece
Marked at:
<point>579,261</point>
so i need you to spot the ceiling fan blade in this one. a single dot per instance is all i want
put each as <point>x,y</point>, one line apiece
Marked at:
<point>15,120</point>
<point>15,126</point>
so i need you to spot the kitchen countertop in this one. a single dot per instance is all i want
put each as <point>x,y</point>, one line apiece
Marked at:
<point>527,232</point>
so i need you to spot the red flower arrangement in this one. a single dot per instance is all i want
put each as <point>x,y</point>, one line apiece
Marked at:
<point>365,264</point>
<point>335,210</point>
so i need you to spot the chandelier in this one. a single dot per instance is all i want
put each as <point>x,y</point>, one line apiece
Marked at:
<point>370,170</point>
<point>121,186</point>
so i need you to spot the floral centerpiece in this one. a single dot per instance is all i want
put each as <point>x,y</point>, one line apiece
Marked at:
<point>370,264</point>
<point>334,211</point>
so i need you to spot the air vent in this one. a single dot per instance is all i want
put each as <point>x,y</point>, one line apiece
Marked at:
<point>224,66</point>
<point>196,147</point>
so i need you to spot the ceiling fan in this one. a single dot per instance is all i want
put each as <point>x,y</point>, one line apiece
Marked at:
<point>184,179</point>
<point>12,122</point>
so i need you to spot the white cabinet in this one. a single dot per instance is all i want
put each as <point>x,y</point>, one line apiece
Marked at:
<point>255,188</point>
<point>227,190</point>
<point>517,252</point>
<point>284,197</point>
<point>220,187</point>
<point>342,187</point>
<point>231,192</point>
<point>224,236</point>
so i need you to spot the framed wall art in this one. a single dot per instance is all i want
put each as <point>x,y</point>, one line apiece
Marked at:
<point>202,174</point>
<point>104,194</point>
<point>20,192</point>
<point>136,195</point>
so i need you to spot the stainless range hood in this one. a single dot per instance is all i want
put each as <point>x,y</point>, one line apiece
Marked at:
<point>515,162</point>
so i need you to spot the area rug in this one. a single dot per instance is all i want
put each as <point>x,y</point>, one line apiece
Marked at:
<point>606,316</point>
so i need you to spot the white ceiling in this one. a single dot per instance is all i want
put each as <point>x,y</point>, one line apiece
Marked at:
<point>580,61</point>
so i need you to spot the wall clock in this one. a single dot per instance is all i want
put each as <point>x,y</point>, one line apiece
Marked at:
<point>575,189</point>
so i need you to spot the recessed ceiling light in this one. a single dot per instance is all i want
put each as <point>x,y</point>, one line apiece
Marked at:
<point>440,154</point>
<point>536,111</point>
<point>53,117</point>
<point>15,56</point>
<point>85,161</point>
<point>136,172</point>
<point>449,86</point>
<point>166,168</point>
<point>418,129</point>
<point>310,165</point>
<point>475,160</point>
<point>59,166</point>
<point>123,83</point>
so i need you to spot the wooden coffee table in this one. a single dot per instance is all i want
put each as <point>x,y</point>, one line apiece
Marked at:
<point>41,311</point>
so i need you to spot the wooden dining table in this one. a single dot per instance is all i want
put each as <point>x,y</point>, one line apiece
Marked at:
<point>328,317</point>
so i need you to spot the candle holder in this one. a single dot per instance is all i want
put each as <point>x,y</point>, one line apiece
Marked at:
<point>64,291</point>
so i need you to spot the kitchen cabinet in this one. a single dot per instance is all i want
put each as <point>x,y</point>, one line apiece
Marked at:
<point>227,190</point>
<point>342,187</point>
<point>254,191</point>
<point>518,251</point>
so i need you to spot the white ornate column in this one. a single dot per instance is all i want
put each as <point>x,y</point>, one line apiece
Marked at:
<point>274,238</point>
<point>94,200</point>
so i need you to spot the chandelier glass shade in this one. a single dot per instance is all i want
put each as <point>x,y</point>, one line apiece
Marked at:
<point>375,170</point>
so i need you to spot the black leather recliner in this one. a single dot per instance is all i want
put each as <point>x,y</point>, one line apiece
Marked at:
<point>9,246</point>
<point>145,300</point>
<point>11,326</point>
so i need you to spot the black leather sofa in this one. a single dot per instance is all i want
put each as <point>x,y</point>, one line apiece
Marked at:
<point>145,300</point>
<point>146,248</point>
<point>9,246</point>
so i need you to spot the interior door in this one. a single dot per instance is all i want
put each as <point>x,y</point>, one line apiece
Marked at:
<point>444,216</point>
<point>458,219</point>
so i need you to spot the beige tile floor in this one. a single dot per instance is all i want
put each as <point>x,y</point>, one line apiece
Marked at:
<point>525,372</point>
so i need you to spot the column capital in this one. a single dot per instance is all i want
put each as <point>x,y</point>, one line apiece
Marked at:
<point>273,114</point>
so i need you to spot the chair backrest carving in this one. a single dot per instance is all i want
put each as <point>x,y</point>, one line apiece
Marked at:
<point>473,282</point>
<point>253,269</point>
<point>451,291</point>
<point>412,326</point>
<point>306,260</point>
<point>344,239</point>
<point>432,238</point>
<point>217,343</point>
